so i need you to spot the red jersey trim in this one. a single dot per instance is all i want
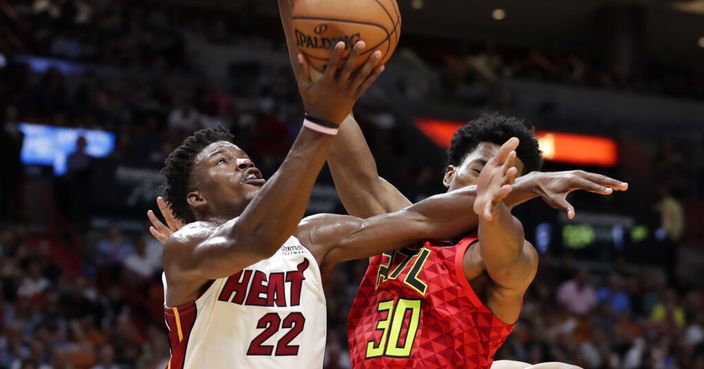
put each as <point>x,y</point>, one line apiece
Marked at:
<point>459,270</point>
<point>180,321</point>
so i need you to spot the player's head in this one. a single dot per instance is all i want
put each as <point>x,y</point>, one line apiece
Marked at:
<point>209,177</point>
<point>477,142</point>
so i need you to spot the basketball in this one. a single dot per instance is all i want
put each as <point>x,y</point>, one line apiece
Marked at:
<point>320,24</point>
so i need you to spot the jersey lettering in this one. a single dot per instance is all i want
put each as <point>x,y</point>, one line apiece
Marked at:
<point>265,290</point>
<point>412,261</point>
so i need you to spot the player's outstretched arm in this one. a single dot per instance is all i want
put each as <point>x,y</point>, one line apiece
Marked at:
<point>273,215</point>
<point>336,238</point>
<point>510,261</point>
<point>354,171</point>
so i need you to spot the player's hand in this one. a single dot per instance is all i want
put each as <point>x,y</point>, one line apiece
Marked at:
<point>333,95</point>
<point>496,180</point>
<point>553,187</point>
<point>160,231</point>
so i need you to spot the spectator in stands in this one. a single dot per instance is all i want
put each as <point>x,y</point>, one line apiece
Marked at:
<point>577,294</point>
<point>614,295</point>
<point>114,249</point>
<point>106,358</point>
<point>11,140</point>
<point>79,171</point>
<point>146,259</point>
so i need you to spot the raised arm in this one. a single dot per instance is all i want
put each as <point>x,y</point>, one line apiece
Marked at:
<point>274,213</point>
<point>508,259</point>
<point>354,171</point>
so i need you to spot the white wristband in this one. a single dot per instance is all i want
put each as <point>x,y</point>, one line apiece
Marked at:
<point>319,128</point>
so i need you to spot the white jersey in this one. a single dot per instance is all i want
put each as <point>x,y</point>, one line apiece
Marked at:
<point>271,315</point>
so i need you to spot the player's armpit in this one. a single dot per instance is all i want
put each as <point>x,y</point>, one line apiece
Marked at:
<point>515,276</point>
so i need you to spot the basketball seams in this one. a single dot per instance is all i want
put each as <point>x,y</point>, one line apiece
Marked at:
<point>393,24</point>
<point>343,21</point>
<point>391,36</point>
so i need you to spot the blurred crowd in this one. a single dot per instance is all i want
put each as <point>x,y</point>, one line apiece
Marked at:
<point>93,299</point>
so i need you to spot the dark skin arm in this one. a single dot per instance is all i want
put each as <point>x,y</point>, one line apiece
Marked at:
<point>199,252</point>
<point>362,191</point>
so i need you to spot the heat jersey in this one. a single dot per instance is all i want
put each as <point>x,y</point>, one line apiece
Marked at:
<point>270,315</point>
<point>416,309</point>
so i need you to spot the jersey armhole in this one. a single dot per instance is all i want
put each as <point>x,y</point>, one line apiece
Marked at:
<point>459,271</point>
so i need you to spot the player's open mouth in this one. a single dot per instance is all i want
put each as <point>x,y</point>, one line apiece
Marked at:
<point>253,177</point>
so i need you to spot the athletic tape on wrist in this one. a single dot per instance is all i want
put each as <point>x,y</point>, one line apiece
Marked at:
<point>320,129</point>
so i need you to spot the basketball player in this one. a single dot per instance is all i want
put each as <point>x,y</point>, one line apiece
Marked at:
<point>242,278</point>
<point>480,285</point>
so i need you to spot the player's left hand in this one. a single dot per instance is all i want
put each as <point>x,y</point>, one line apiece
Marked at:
<point>159,230</point>
<point>496,180</point>
<point>553,187</point>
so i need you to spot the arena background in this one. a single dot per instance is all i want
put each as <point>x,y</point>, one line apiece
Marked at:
<point>80,276</point>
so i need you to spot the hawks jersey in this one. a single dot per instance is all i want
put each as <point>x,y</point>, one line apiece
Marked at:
<point>270,315</point>
<point>416,309</point>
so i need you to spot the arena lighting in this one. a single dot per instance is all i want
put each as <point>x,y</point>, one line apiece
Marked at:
<point>498,14</point>
<point>417,4</point>
<point>701,42</point>
<point>556,146</point>
<point>3,61</point>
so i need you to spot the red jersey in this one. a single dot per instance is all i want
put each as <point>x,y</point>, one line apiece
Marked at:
<point>416,309</point>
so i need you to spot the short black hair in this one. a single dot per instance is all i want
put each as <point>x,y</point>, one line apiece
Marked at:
<point>178,167</point>
<point>497,129</point>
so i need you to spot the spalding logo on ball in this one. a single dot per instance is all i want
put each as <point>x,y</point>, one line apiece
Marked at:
<point>320,24</point>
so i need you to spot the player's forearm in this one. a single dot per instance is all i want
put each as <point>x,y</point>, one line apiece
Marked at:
<point>524,189</point>
<point>501,239</point>
<point>448,215</point>
<point>274,214</point>
<point>354,171</point>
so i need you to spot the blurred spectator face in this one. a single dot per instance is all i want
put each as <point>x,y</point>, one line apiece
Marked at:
<point>467,173</point>
<point>582,277</point>
<point>81,144</point>
<point>615,282</point>
<point>107,355</point>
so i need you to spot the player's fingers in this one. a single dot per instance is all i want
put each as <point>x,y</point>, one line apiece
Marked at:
<point>606,181</point>
<point>487,211</point>
<point>159,237</point>
<point>367,70</point>
<point>505,150</point>
<point>334,61</point>
<point>511,174</point>
<point>508,163</point>
<point>351,62</point>
<point>562,204</point>
<point>501,194</point>
<point>303,69</point>
<point>172,222</point>
<point>586,185</point>
<point>369,81</point>
<point>156,223</point>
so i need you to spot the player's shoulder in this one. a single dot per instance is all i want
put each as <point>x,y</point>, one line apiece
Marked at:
<point>190,234</point>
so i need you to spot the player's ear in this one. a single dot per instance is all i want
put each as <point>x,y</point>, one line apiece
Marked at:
<point>449,175</point>
<point>195,200</point>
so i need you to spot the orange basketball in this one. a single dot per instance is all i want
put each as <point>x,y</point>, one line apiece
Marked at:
<point>320,24</point>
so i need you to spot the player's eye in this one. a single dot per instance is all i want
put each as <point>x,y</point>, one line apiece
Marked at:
<point>222,161</point>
